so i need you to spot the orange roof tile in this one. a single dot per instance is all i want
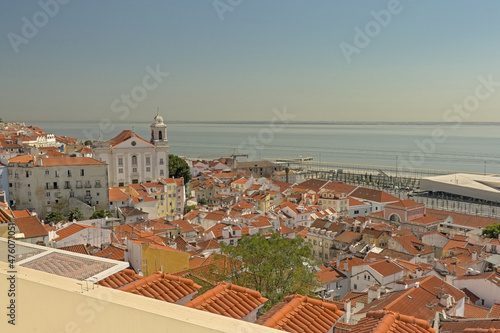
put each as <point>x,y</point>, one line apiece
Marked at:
<point>228,300</point>
<point>406,203</point>
<point>475,311</point>
<point>120,279</point>
<point>387,321</point>
<point>67,161</point>
<point>163,287</point>
<point>302,314</point>
<point>112,252</point>
<point>494,311</point>
<point>30,227</point>
<point>21,213</point>
<point>115,194</point>
<point>80,248</point>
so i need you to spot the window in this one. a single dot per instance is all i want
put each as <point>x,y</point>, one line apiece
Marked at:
<point>78,184</point>
<point>135,181</point>
<point>134,160</point>
<point>47,194</point>
<point>47,172</point>
<point>148,169</point>
<point>120,170</point>
<point>134,169</point>
<point>67,184</point>
<point>57,173</point>
<point>162,173</point>
<point>82,172</point>
<point>161,161</point>
<point>87,193</point>
<point>69,173</point>
<point>27,174</point>
<point>55,185</point>
<point>121,184</point>
<point>97,183</point>
<point>355,287</point>
<point>47,186</point>
<point>120,161</point>
<point>148,160</point>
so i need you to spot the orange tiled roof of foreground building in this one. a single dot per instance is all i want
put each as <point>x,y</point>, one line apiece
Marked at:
<point>120,279</point>
<point>163,287</point>
<point>301,314</point>
<point>228,300</point>
<point>387,321</point>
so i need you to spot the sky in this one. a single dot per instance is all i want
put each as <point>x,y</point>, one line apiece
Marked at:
<point>238,60</point>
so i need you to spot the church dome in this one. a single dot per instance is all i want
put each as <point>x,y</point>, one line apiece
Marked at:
<point>158,119</point>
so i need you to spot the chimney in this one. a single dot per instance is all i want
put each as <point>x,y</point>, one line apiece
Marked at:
<point>446,300</point>
<point>346,266</point>
<point>373,293</point>
<point>338,263</point>
<point>474,256</point>
<point>347,307</point>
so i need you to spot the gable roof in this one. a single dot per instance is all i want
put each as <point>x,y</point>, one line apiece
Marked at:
<point>162,286</point>
<point>30,227</point>
<point>120,279</point>
<point>228,300</point>
<point>387,321</point>
<point>124,136</point>
<point>373,195</point>
<point>301,314</point>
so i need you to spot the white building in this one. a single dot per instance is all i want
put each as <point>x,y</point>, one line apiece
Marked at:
<point>133,160</point>
<point>486,286</point>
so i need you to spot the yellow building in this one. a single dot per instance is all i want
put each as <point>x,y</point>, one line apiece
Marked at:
<point>149,258</point>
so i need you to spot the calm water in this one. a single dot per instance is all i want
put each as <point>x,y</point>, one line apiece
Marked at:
<point>466,148</point>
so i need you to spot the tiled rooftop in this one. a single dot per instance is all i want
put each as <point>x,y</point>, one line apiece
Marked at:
<point>386,321</point>
<point>120,279</point>
<point>302,314</point>
<point>228,300</point>
<point>163,287</point>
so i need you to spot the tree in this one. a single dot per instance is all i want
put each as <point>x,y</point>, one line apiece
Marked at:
<point>202,201</point>
<point>276,267</point>
<point>75,214</point>
<point>54,216</point>
<point>178,168</point>
<point>88,143</point>
<point>187,209</point>
<point>100,214</point>
<point>492,231</point>
<point>287,171</point>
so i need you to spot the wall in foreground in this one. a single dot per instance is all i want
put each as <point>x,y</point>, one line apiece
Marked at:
<point>50,303</point>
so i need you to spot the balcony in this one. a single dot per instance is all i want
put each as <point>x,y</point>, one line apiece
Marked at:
<point>88,185</point>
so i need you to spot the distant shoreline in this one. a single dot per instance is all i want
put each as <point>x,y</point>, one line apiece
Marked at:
<point>418,123</point>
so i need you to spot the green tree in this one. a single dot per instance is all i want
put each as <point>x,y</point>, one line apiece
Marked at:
<point>187,209</point>
<point>276,267</point>
<point>88,143</point>
<point>178,168</point>
<point>54,216</point>
<point>492,231</point>
<point>100,214</point>
<point>202,201</point>
<point>75,214</point>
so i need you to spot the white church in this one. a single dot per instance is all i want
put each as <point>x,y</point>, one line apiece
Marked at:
<point>133,160</point>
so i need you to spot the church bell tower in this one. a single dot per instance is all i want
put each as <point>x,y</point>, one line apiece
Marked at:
<point>159,131</point>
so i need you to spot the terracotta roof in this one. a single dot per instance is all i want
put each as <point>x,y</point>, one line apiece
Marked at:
<point>67,161</point>
<point>80,248</point>
<point>21,213</point>
<point>385,267</point>
<point>387,321</point>
<point>473,298</point>
<point>328,274</point>
<point>348,237</point>
<point>302,314</point>
<point>120,279</point>
<point>413,245</point>
<point>208,245</point>
<point>228,300</point>
<point>473,221</point>
<point>70,230</point>
<point>163,287</point>
<point>115,194</point>
<point>124,136</point>
<point>406,203</point>
<point>373,195</point>
<point>475,311</point>
<point>493,277</point>
<point>426,219</point>
<point>355,297</point>
<point>494,311</point>
<point>469,326</point>
<point>112,252</point>
<point>23,159</point>
<point>30,227</point>
<point>184,225</point>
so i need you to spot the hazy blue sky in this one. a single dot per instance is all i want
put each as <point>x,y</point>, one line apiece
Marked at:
<point>264,54</point>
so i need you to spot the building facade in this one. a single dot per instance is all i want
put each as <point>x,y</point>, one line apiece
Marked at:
<point>40,183</point>
<point>133,160</point>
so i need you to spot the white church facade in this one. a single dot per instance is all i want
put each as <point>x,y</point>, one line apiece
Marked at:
<point>132,159</point>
